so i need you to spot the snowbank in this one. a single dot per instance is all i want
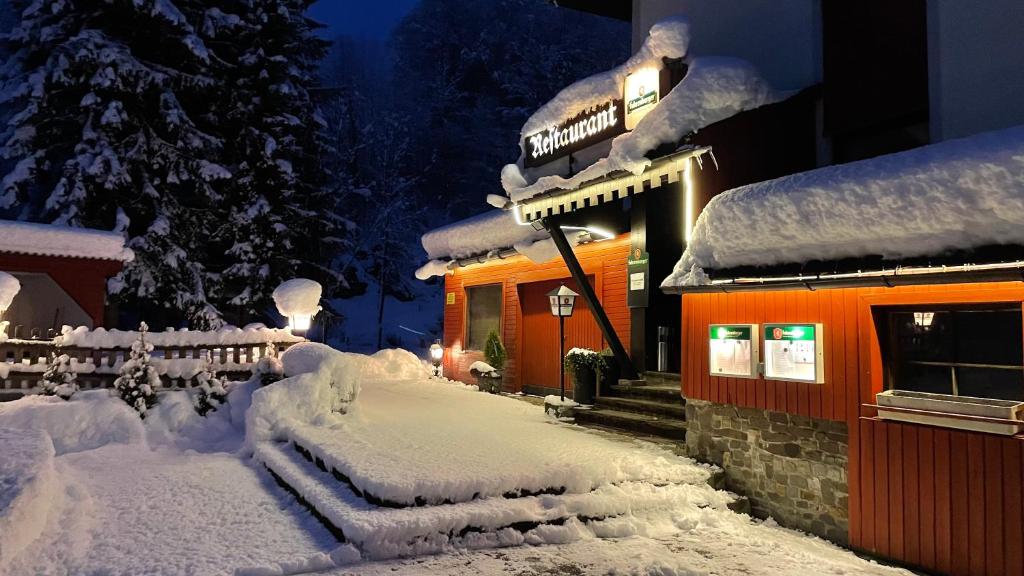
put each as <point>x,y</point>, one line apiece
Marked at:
<point>9,288</point>
<point>89,420</point>
<point>714,88</point>
<point>51,240</point>
<point>478,235</point>
<point>321,383</point>
<point>28,487</point>
<point>297,296</point>
<point>84,337</point>
<point>955,195</point>
<point>483,368</point>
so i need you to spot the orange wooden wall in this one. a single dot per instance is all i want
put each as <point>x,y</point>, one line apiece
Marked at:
<point>604,262</point>
<point>944,500</point>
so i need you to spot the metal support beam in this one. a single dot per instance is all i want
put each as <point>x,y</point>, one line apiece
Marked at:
<point>587,291</point>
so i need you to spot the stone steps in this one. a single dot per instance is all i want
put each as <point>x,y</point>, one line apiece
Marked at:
<point>658,393</point>
<point>643,406</point>
<point>672,428</point>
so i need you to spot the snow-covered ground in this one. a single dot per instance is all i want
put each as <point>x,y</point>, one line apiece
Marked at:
<point>180,494</point>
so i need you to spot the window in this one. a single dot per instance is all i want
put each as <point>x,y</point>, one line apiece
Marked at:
<point>483,314</point>
<point>973,350</point>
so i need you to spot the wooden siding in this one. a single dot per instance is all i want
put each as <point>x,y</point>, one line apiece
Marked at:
<point>604,262</point>
<point>947,501</point>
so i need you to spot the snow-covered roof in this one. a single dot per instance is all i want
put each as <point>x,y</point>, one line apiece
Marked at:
<point>714,88</point>
<point>494,229</point>
<point>953,196</point>
<point>51,240</point>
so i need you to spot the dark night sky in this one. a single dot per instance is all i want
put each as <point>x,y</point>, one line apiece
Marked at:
<point>374,18</point>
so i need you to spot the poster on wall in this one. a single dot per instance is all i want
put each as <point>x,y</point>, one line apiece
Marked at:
<point>794,352</point>
<point>733,350</point>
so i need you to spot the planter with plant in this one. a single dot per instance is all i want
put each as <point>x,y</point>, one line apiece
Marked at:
<point>585,365</point>
<point>488,373</point>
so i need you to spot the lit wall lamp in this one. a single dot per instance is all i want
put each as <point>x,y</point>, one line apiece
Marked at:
<point>436,356</point>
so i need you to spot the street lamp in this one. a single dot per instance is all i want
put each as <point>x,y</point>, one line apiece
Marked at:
<point>562,301</point>
<point>298,300</point>
<point>436,355</point>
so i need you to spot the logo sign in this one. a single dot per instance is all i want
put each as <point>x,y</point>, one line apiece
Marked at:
<point>642,94</point>
<point>794,352</point>
<point>732,352</point>
<point>449,298</point>
<point>638,268</point>
<point>585,129</point>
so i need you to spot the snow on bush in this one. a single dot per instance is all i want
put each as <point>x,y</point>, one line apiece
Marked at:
<point>210,390</point>
<point>29,487</point>
<point>84,337</point>
<point>9,288</point>
<point>59,379</point>
<point>320,384</point>
<point>269,367</point>
<point>92,418</point>
<point>138,380</point>
<point>958,194</point>
<point>298,296</point>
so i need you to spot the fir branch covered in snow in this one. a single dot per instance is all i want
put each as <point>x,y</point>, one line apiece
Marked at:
<point>211,390</point>
<point>59,379</point>
<point>139,380</point>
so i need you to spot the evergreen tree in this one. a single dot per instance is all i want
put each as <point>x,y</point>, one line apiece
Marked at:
<point>106,133</point>
<point>138,380</point>
<point>269,368</point>
<point>59,379</point>
<point>211,391</point>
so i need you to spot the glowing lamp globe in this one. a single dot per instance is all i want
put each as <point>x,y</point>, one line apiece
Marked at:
<point>562,301</point>
<point>436,355</point>
<point>298,300</point>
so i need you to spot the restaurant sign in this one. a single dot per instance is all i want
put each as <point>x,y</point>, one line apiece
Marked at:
<point>733,350</point>
<point>585,129</point>
<point>794,352</point>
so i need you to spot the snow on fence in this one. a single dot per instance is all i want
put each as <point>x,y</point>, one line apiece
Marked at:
<point>97,355</point>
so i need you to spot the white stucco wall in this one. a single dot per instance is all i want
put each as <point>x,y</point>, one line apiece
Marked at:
<point>781,37</point>
<point>975,66</point>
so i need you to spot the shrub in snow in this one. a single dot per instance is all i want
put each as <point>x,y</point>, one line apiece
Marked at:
<point>59,379</point>
<point>579,359</point>
<point>211,390</point>
<point>494,351</point>
<point>269,368</point>
<point>138,380</point>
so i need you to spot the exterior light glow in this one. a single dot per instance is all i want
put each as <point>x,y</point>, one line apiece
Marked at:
<point>436,356</point>
<point>300,322</point>
<point>923,319</point>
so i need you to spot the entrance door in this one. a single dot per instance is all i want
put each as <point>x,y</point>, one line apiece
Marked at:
<point>540,334</point>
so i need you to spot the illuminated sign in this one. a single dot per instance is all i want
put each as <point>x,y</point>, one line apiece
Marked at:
<point>641,94</point>
<point>794,352</point>
<point>733,350</point>
<point>585,129</point>
<point>450,298</point>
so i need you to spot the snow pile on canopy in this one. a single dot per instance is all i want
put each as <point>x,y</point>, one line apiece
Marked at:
<point>955,195</point>
<point>28,487</point>
<point>9,288</point>
<point>713,89</point>
<point>320,384</point>
<point>52,240</point>
<point>84,337</point>
<point>298,296</point>
<point>478,235</point>
<point>89,420</point>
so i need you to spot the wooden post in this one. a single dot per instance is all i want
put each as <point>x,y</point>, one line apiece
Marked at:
<point>561,352</point>
<point>588,294</point>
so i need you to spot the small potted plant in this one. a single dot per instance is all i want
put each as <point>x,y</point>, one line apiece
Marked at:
<point>585,365</point>
<point>488,373</point>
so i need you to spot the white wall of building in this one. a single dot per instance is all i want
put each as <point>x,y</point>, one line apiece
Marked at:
<point>975,66</point>
<point>781,37</point>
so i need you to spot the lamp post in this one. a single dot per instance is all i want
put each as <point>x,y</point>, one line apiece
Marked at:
<point>562,301</point>
<point>436,355</point>
<point>298,300</point>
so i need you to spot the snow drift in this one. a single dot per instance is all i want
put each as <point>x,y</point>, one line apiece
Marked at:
<point>89,420</point>
<point>29,485</point>
<point>955,195</point>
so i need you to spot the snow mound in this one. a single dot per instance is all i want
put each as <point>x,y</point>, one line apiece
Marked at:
<point>84,337</point>
<point>482,367</point>
<point>9,288</point>
<point>297,296</point>
<point>714,88</point>
<point>394,364</point>
<point>955,195</point>
<point>89,420</point>
<point>478,235</point>
<point>29,486</point>
<point>52,240</point>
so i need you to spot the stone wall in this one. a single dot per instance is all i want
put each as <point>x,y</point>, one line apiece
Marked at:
<point>792,468</point>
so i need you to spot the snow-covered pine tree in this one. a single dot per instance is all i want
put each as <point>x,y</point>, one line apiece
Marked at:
<point>283,220</point>
<point>138,380</point>
<point>211,391</point>
<point>59,379</point>
<point>269,368</point>
<point>110,128</point>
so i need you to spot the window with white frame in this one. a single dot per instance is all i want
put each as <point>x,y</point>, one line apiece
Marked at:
<point>972,350</point>
<point>483,314</point>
